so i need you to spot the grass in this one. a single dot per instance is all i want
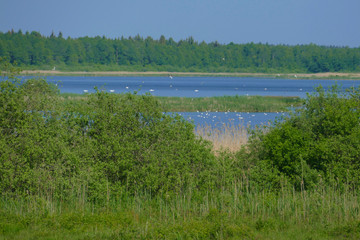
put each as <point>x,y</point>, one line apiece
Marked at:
<point>239,212</point>
<point>229,103</point>
<point>215,104</point>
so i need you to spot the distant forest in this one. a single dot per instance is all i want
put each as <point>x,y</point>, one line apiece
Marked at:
<point>33,50</point>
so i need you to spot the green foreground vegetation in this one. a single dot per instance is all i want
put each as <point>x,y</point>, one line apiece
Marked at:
<point>114,167</point>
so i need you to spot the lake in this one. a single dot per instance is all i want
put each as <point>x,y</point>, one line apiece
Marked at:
<point>194,86</point>
<point>200,87</point>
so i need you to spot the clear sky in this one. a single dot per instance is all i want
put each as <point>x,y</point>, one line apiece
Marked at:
<point>323,22</point>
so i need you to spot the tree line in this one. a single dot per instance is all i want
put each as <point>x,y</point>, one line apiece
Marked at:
<point>138,53</point>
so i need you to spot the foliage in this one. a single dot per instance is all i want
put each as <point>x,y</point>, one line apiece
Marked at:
<point>139,148</point>
<point>109,144</point>
<point>320,140</point>
<point>138,54</point>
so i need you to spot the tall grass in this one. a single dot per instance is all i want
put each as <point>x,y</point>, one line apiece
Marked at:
<point>239,211</point>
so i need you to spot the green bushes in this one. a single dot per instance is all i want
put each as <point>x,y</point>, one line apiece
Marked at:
<point>320,140</point>
<point>139,148</point>
<point>109,144</point>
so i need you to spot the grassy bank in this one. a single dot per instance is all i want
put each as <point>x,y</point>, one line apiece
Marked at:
<point>213,104</point>
<point>237,212</point>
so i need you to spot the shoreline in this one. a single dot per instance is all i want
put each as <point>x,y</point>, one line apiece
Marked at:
<point>327,75</point>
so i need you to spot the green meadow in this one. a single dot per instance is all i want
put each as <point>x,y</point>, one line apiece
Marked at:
<point>111,166</point>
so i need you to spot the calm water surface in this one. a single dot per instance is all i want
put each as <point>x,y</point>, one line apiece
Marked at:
<point>195,86</point>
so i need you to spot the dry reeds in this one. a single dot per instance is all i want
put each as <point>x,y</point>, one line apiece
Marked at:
<point>226,137</point>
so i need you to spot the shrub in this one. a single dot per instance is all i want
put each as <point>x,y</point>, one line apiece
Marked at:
<point>321,139</point>
<point>139,148</point>
<point>112,143</point>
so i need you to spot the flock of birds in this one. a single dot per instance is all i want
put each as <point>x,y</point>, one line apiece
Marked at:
<point>231,118</point>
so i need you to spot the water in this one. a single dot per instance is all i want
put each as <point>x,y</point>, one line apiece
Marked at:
<point>195,86</point>
<point>201,87</point>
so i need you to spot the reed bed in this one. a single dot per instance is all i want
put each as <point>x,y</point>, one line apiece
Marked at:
<point>227,136</point>
<point>229,103</point>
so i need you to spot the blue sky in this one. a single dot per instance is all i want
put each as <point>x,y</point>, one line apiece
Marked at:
<point>323,22</point>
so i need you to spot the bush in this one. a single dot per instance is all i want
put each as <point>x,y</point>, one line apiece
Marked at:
<point>139,148</point>
<point>321,139</point>
<point>111,144</point>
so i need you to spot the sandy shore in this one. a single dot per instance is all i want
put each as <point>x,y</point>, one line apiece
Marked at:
<point>150,73</point>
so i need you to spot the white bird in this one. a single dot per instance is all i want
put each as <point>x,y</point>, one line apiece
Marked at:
<point>151,90</point>
<point>127,87</point>
<point>85,91</point>
<point>112,90</point>
<point>196,90</point>
<point>54,68</point>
